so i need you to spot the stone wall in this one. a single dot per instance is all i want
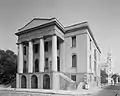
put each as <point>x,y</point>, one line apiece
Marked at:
<point>34,92</point>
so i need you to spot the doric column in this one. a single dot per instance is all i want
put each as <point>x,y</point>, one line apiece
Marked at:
<point>42,57</point>
<point>20,58</point>
<point>54,53</point>
<point>54,63</point>
<point>30,57</point>
<point>17,81</point>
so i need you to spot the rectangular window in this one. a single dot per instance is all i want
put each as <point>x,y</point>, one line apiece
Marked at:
<point>73,77</point>
<point>36,48</point>
<point>95,66</point>
<point>90,44</point>
<point>25,67</point>
<point>58,63</point>
<point>95,78</point>
<point>46,46</point>
<point>95,54</point>
<point>74,41</point>
<point>46,63</point>
<point>74,61</point>
<point>58,44</point>
<point>90,62</point>
<point>24,50</point>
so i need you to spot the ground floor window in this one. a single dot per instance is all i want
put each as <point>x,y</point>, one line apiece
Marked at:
<point>73,77</point>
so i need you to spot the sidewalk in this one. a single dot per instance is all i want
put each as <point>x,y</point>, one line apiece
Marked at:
<point>88,92</point>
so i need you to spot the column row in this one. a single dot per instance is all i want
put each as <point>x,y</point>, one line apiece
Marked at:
<point>41,56</point>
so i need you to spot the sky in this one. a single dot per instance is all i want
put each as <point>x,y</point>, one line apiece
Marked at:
<point>103,17</point>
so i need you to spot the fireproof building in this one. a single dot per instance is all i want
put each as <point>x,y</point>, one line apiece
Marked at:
<point>51,56</point>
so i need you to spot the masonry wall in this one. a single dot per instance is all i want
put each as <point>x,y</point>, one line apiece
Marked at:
<point>28,92</point>
<point>91,46</point>
<point>80,50</point>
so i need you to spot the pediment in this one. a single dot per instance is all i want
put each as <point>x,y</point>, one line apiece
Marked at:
<point>34,23</point>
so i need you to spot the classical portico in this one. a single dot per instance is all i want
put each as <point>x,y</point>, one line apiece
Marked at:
<point>36,62</point>
<point>41,55</point>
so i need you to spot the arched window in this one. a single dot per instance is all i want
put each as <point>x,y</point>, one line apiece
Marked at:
<point>34,82</point>
<point>46,82</point>
<point>23,82</point>
<point>74,60</point>
<point>36,68</point>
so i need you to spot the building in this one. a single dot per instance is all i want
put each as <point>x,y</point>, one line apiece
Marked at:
<point>51,56</point>
<point>108,67</point>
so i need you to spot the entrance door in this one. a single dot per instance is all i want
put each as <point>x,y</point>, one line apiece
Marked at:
<point>46,82</point>
<point>23,82</point>
<point>34,82</point>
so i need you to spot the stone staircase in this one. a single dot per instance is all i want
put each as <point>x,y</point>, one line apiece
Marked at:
<point>66,83</point>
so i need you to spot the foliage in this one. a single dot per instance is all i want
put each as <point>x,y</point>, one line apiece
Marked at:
<point>104,77</point>
<point>114,76</point>
<point>8,66</point>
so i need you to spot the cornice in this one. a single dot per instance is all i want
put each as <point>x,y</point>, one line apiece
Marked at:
<point>81,26</point>
<point>53,21</point>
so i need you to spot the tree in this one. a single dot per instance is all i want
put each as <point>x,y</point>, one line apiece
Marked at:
<point>8,66</point>
<point>114,76</point>
<point>104,77</point>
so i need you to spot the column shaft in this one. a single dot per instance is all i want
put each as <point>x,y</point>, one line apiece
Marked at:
<point>42,57</point>
<point>17,81</point>
<point>54,53</point>
<point>20,58</point>
<point>54,64</point>
<point>30,57</point>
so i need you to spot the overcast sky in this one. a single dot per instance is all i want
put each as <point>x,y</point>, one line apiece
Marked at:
<point>103,17</point>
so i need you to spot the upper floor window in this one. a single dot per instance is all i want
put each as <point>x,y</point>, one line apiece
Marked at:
<point>74,60</point>
<point>90,62</point>
<point>58,63</point>
<point>46,46</point>
<point>25,67</point>
<point>36,69</point>
<point>95,54</point>
<point>73,77</point>
<point>36,48</point>
<point>74,41</point>
<point>58,44</point>
<point>46,64</point>
<point>95,67</point>
<point>90,44</point>
<point>24,50</point>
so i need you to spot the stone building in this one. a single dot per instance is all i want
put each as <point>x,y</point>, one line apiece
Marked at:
<point>51,56</point>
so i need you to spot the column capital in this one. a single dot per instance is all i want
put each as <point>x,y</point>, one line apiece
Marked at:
<point>42,37</point>
<point>19,43</point>
<point>54,34</point>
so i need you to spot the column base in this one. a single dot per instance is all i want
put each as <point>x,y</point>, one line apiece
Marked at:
<point>17,81</point>
<point>55,81</point>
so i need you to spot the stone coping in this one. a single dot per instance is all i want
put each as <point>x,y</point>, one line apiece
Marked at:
<point>45,91</point>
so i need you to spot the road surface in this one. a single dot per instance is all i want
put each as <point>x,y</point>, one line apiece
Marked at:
<point>110,90</point>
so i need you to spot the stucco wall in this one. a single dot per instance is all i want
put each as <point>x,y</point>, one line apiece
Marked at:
<point>80,50</point>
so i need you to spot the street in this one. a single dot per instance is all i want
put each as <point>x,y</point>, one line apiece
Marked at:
<point>110,90</point>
